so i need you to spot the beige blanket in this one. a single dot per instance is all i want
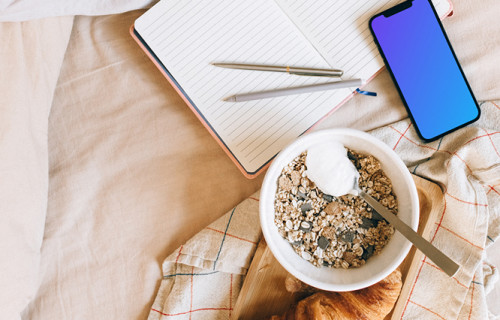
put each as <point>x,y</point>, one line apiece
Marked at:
<point>133,174</point>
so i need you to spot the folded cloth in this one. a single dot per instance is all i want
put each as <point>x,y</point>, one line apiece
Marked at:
<point>203,277</point>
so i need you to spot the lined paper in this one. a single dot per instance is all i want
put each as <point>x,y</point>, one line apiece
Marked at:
<point>187,36</point>
<point>339,31</point>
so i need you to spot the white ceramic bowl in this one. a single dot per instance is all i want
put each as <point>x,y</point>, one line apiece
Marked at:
<point>378,266</point>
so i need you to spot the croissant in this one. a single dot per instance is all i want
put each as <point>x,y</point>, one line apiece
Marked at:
<point>371,303</point>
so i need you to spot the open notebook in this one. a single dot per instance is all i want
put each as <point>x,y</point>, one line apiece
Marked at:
<point>184,37</point>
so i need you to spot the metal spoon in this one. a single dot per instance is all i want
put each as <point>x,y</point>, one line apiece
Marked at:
<point>438,257</point>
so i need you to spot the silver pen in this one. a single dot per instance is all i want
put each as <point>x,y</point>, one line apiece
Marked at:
<point>294,90</point>
<point>291,70</point>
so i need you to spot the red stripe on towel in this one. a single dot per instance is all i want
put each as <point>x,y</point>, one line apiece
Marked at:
<point>191,302</point>
<point>440,220</point>
<point>401,137</point>
<point>437,268</point>
<point>493,188</point>
<point>491,140</point>
<point>459,236</point>
<point>472,203</point>
<point>486,135</point>
<point>471,296</point>
<point>231,296</point>
<point>417,144</point>
<point>456,154</point>
<point>421,306</point>
<point>431,148</point>
<point>414,283</point>
<point>178,255</point>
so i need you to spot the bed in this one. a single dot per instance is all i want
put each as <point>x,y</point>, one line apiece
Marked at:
<point>105,171</point>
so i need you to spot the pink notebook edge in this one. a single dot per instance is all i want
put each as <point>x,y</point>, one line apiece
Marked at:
<point>247,174</point>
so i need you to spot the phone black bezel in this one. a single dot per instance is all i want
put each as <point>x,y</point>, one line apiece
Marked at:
<point>390,13</point>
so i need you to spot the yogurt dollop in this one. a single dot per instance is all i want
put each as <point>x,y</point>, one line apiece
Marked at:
<point>329,167</point>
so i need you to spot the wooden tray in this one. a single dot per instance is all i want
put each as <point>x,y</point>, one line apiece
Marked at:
<point>263,292</point>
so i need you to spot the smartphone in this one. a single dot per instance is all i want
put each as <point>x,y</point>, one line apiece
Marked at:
<point>424,67</point>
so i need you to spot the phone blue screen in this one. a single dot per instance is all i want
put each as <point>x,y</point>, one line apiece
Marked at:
<point>425,69</point>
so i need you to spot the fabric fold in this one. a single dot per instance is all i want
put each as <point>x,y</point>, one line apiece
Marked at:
<point>32,56</point>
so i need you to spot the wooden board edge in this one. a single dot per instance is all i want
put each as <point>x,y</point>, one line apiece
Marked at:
<point>249,282</point>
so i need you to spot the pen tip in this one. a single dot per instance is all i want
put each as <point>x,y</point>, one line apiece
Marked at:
<point>229,99</point>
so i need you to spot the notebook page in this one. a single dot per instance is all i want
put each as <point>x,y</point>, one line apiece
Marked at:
<point>187,36</point>
<point>339,31</point>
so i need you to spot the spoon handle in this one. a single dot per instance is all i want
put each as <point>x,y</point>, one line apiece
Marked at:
<point>438,257</point>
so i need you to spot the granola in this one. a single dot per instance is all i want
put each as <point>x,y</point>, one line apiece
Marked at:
<point>339,232</point>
